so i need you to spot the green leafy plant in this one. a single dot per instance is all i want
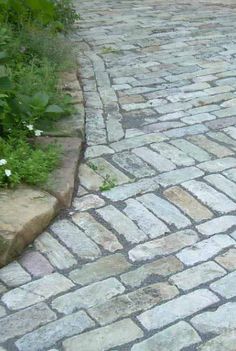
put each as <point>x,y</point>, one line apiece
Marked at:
<point>108,183</point>
<point>23,162</point>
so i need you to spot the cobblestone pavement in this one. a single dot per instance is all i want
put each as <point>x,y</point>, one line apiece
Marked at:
<point>149,265</point>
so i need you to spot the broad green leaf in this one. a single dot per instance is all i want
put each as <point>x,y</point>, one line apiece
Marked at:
<point>3,56</point>
<point>54,109</point>
<point>40,100</point>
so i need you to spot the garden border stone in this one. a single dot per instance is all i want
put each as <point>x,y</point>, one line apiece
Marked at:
<point>26,211</point>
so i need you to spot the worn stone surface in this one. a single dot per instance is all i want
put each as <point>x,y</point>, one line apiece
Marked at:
<point>155,209</point>
<point>34,210</point>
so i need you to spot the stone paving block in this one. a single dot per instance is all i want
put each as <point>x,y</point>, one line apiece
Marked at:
<point>182,334</point>
<point>218,165</point>
<point>2,311</point>
<point>160,163</point>
<point>210,197</point>
<point>164,210</point>
<point>35,263</point>
<point>105,338</point>
<point>192,150</point>
<point>133,164</point>
<point>137,141</point>
<point>205,249</point>
<point>178,176</point>
<point>211,146</point>
<point>184,131</point>
<point>225,286</point>
<point>175,155</point>
<point>97,232</point>
<point>102,268</point>
<point>57,254</point>
<point>231,174</point>
<point>98,150</point>
<point>223,184</point>
<point>225,340</point>
<point>217,225</point>
<point>36,291</point>
<point>217,321</point>
<point>177,309</point>
<point>88,296</point>
<point>120,223</point>
<point>198,118</point>
<point>13,275</point>
<point>76,240</point>
<point>228,259</point>
<point>188,204</point>
<point>48,335</point>
<point>164,246</point>
<point>159,268</point>
<point>88,201</point>
<point>146,221</point>
<point>25,321</point>
<point>88,178</point>
<point>193,277</point>
<point>125,191</point>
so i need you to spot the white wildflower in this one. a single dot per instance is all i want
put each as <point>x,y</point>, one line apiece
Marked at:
<point>3,162</point>
<point>8,172</point>
<point>30,126</point>
<point>38,132</point>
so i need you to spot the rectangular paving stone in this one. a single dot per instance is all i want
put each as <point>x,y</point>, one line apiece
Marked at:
<point>120,223</point>
<point>164,210</point>
<point>198,118</point>
<point>76,240</point>
<point>173,107</point>
<point>125,191</point>
<point>183,131</point>
<point>97,150</point>
<point>88,296</point>
<point>164,246</point>
<point>97,232</point>
<point>210,197</point>
<point>36,291</point>
<point>231,131</point>
<point>133,302</point>
<point>57,254</point>
<point>223,138</point>
<point>24,321</point>
<point>88,178</point>
<point>159,268</point>
<point>160,163</point>
<point>103,168</point>
<point>133,164</point>
<point>36,264</point>
<point>50,334</point>
<point>13,275</point>
<point>223,184</point>
<point>225,286</point>
<point>205,249</point>
<point>2,311</point>
<point>176,309</point>
<point>87,201</point>
<point>104,267</point>
<point>211,146</point>
<point>231,174</point>
<point>218,321</point>
<point>193,277</point>
<point>227,339</point>
<point>137,141</point>
<point>217,225</point>
<point>228,259</point>
<point>188,204</point>
<point>178,176</point>
<point>177,156</point>
<point>146,221</point>
<point>218,165</point>
<point>192,150</point>
<point>105,338</point>
<point>221,123</point>
<point>182,334</point>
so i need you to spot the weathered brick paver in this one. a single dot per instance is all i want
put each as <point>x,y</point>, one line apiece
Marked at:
<point>150,263</point>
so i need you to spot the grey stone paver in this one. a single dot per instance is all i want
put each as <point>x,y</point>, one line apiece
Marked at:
<point>150,263</point>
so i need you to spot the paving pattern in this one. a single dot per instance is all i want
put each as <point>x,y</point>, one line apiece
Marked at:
<point>150,263</point>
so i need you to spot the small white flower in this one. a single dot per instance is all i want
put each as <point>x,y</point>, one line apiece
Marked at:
<point>3,162</point>
<point>8,172</point>
<point>38,132</point>
<point>30,126</point>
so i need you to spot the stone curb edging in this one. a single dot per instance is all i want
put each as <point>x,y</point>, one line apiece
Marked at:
<point>26,211</point>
